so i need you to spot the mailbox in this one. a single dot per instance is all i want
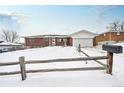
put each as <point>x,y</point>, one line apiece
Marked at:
<point>112,48</point>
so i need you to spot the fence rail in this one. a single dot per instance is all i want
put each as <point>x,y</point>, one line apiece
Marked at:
<point>94,59</point>
<point>9,73</point>
<point>9,63</point>
<point>56,60</point>
<point>67,59</point>
<point>80,50</point>
<point>54,70</point>
<point>23,70</point>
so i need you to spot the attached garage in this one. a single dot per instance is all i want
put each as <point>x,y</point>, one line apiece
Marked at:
<point>83,37</point>
<point>85,42</point>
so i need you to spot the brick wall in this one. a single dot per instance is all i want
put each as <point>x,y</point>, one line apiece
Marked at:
<point>60,42</point>
<point>32,42</point>
<point>69,41</point>
<point>35,42</point>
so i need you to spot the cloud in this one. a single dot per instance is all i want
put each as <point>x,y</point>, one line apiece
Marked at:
<point>28,24</point>
<point>102,9</point>
<point>20,18</point>
<point>12,13</point>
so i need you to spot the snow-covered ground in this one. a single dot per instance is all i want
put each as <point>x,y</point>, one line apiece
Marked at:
<point>71,78</point>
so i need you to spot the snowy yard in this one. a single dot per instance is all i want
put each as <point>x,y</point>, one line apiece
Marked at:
<point>71,78</point>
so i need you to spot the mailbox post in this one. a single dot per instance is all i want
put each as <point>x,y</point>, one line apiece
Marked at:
<point>110,50</point>
<point>109,63</point>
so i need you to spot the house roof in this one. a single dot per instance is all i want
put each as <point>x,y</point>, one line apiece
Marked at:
<point>62,36</point>
<point>83,34</point>
<point>82,31</point>
<point>111,31</point>
<point>35,36</point>
<point>44,36</point>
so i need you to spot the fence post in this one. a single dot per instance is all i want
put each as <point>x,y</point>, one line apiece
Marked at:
<point>109,63</point>
<point>79,48</point>
<point>22,67</point>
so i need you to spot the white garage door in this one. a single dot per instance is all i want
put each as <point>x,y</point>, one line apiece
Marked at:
<point>85,42</point>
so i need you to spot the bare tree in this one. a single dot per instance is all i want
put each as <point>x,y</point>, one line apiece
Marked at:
<point>9,36</point>
<point>122,25</point>
<point>114,26</point>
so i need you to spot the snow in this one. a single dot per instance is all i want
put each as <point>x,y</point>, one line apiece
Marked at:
<point>53,79</point>
<point>9,43</point>
<point>71,78</point>
<point>40,54</point>
<point>121,44</point>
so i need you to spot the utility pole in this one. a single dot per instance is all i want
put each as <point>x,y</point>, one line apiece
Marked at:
<point>110,37</point>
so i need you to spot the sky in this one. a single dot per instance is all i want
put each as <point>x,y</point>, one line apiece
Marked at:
<point>58,19</point>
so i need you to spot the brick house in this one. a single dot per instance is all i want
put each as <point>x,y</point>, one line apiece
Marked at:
<point>47,40</point>
<point>109,37</point>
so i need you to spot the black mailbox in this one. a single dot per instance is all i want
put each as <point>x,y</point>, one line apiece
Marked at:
<point>113,48</point>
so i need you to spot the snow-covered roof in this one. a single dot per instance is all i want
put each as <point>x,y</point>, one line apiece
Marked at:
<point>83,34</point>
<point>48,35</point>
<point>111,31</point>
<point>63,36</point>
<point>83,31</point>
<point>35,36</point>
<point>9,44</point>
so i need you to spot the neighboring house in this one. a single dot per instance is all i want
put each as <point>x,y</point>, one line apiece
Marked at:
<point>109,37</point>
<point>83,37</point>
<point>47,40</point>
<point>7,46</point>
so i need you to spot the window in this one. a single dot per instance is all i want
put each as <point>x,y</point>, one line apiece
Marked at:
<point>31,40</point>
<point>62,40</point>
<point>59,40</point>
<point>65,40</point>
<point>46,39</point>
<point>118,33</point>
<point>104,34</point>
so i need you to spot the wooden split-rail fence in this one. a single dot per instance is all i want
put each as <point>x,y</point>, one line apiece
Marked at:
<point>111,49</point>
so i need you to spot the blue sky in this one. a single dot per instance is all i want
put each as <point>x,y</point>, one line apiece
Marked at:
<point>34,19</point>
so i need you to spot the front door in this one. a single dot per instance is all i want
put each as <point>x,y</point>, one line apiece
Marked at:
<point>53,42</point>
